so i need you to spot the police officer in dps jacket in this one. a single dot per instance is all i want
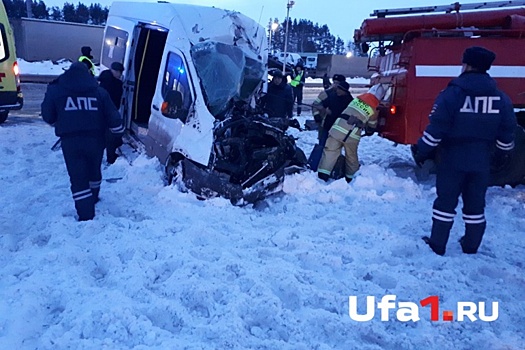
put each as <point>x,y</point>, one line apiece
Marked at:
<point>467,119</point>
<point>81,111</point>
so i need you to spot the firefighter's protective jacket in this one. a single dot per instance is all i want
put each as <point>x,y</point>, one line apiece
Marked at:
<point>359,113</point>
<point>468,117</point>
<point>75,104</point>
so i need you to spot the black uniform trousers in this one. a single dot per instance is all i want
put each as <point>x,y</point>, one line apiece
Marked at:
<point>298,97</point>
<point>83,157</point>
<point>450,184</point>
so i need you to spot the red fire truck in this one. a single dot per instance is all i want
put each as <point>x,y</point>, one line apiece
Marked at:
<point>417,55</point>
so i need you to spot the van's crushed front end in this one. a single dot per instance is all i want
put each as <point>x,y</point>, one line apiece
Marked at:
<point>251,156</point>
<point>250,153</point>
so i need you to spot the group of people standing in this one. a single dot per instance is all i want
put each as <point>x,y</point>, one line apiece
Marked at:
<point>465,129</point>
<point>85,115</point>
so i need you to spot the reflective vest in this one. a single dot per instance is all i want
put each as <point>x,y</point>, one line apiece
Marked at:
<point>297,80</point>
<point>91,68</point>
<point>360,111</point>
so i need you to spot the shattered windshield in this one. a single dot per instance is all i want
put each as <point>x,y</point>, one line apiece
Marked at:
<point>227,74</point>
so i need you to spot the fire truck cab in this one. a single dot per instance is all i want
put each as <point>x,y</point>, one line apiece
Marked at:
<point>416,56</point>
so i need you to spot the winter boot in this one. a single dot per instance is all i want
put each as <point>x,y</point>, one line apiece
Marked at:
<point>439,236</point>
<point>471,241</point>
<point>323,176</point>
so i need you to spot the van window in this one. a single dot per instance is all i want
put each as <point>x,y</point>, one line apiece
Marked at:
<point>114,47</point>
<point>4,48</point>
<point>176,79</point>
<point>238,74</point>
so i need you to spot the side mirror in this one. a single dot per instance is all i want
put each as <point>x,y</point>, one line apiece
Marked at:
<point>172,105</point>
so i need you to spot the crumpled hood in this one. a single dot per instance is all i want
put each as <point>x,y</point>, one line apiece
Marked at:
<point>77,78</point>
<point>475,83</point>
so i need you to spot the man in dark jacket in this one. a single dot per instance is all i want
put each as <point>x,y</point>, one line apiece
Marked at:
<point>110,80</point>
<point>327,98</point>
<point>81,111</point>
<point>468,118</point>
<point>278,101</point>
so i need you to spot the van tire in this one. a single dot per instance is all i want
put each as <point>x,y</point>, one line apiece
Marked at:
<point>3,116</point>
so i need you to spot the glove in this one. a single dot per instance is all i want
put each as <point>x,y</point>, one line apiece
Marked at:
<point>369,131</point>
<point>318,119</point>
<point>294,123</point>
<point>499,160</point>
<point>419,157</point>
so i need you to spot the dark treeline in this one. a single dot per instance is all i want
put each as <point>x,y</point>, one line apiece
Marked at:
<point>80,13</point>
<point>305,36</point>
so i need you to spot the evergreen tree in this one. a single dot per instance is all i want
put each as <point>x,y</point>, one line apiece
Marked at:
<point>15,8</point>
<point>96,14</point>
<point>69,12</point>
<point>339,46</point>
<point>55,14</point>
<point>82,13</point>
<point>40,10</point>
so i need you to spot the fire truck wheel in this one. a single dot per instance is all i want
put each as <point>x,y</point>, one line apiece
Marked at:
<point>513,172</point>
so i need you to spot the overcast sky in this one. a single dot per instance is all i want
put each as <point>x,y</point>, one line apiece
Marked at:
<point>341,16</point>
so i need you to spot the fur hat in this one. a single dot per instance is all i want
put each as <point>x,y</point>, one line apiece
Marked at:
<point>478,58</point>
<point>339,77</point>
<point>78,66</point>
<point>117,66</point>
<point>277,73</point>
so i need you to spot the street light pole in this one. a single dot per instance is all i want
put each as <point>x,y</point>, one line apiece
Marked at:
<point>288,7</point>
<point>273,28</point>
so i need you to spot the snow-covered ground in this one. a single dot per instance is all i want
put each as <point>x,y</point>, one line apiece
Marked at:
<point>159,269</point>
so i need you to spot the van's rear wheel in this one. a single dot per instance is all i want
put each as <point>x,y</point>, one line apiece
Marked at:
<point>3,116</point>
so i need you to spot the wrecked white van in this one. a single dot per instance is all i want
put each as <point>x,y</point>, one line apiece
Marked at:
<point>191,77</point>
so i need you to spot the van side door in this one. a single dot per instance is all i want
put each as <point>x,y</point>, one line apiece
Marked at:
<point>172,103</point>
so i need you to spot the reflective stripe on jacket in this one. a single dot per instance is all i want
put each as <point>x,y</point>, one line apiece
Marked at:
<point>91,66</point>
<point>354,118</point>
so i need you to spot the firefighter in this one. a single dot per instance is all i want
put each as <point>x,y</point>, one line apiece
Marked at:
<point>346,132</point>
<point>81,111</point>
<point>110,80</point>
<point>86,58</point>
<point>297,83</point>
<point>330,104</point>
<point>468,118</point>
